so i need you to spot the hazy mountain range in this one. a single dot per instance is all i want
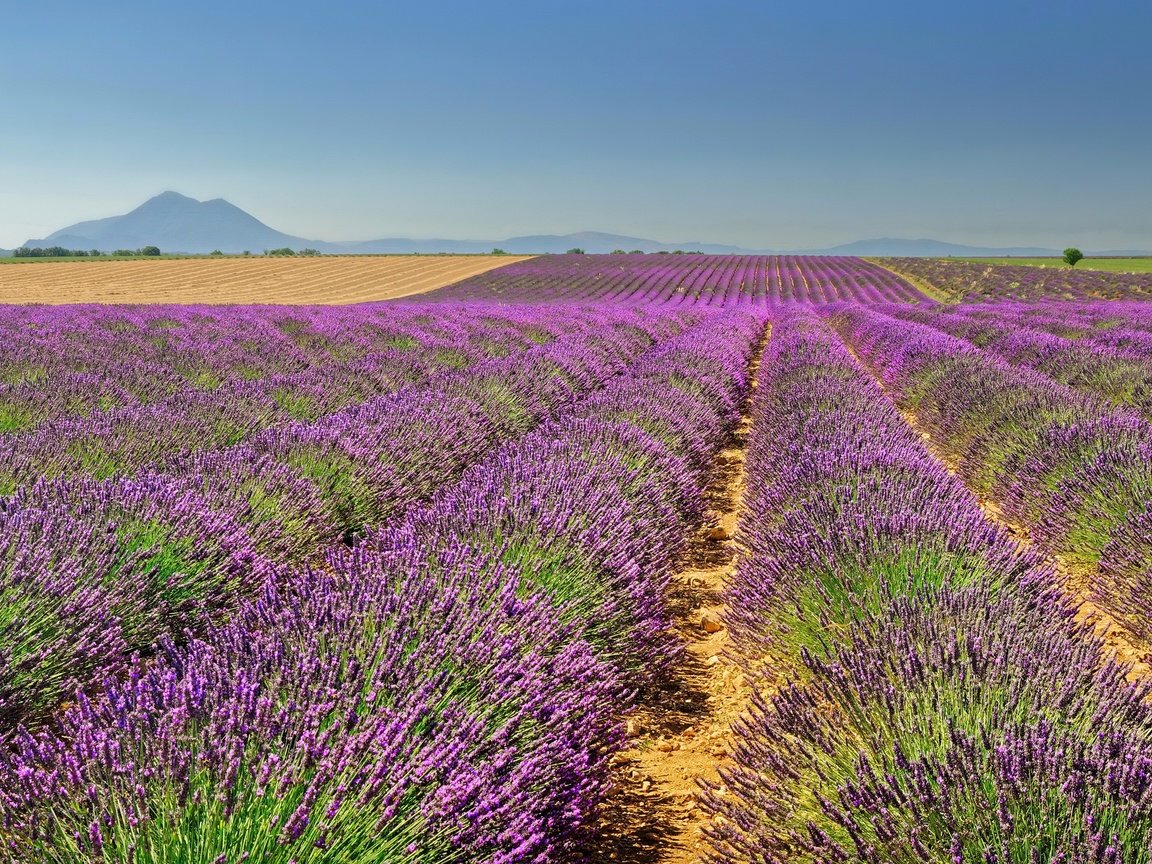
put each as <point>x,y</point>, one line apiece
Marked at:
<point>177,223</point>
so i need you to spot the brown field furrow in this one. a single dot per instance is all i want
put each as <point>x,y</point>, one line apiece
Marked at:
<point>367,284</point>
<point>327,280</point>
<point>396,280</point>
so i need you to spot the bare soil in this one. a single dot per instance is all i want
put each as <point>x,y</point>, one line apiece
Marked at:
<point>680,735</point>
<point>321,280</point>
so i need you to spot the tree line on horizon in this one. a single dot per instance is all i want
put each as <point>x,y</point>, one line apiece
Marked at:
<point>143,252</point>
<point>61,252</point>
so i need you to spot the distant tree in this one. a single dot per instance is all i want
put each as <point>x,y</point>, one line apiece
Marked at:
<point>216,253</point>
<point>94,253</point>
<point>48,252</point>
<point>498,251</point>
<point>150,251</point>
<point>1072,255</point>
<point>636,252</point>
<point>576,250</point>
<point>284,252</point>
<point>619,252</point>
<point>124,253</point>
<point>246,254</point>
<point>311,253</point>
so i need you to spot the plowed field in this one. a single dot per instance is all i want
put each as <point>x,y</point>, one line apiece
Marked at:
<point>240,280</point>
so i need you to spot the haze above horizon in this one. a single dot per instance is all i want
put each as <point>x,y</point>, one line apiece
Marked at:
<point>803,126</point>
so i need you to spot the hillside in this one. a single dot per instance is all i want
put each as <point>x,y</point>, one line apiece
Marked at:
<point>177,223</point>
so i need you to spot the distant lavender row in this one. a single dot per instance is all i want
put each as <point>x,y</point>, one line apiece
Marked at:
<point>76,362</point>
<point>91,570</point>
<point>1110,324</point>
<point>164,437</point>
<point>449,690</point>
<point>690,280</point>
<point>936,703</point>
<point>110,392</point>
<point>1123,376</point>
<point>977,282</point>
<point>1065,464</point>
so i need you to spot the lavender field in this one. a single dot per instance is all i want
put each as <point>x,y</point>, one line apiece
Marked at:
<point>423,580</point>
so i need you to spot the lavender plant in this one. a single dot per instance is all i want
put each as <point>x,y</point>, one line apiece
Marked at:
<point>1121,376</point>
<point>939,701</point>
<point>974,282</point>
<point>161,554</point>
<point>436,693</point>
<point>1062,463</point>
<point>846,509</point>
<point>960,726</point>
<point>695,280</point>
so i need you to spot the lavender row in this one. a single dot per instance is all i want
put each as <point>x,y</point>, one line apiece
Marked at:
<point>937,703</point>
<point>694,280</point>
<point>1125,326</point>
<point>634,456</point>
<point>213,387</point>
<point>92,570</point>
<point>974,282</point>
<point>1074,471</point>
<point>1121,376</point>
<point>78,361</point>
<point>845,507</point>
<point>449,690</point>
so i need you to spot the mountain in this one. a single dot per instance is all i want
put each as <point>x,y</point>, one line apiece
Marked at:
<point>177,223</point>
<point>592,242</point>
<point>596,242</point>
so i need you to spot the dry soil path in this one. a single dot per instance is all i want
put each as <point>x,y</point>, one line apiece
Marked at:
<point>681,733</point>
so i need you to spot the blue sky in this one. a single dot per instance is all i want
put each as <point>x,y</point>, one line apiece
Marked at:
<point>757,123</point>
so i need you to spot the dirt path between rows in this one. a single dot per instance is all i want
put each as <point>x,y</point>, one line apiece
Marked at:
<point>1118,640</point>
<point>680,734</point>
<point>922,285</point>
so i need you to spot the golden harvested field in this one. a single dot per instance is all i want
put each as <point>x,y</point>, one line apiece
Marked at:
<point>334,279</point>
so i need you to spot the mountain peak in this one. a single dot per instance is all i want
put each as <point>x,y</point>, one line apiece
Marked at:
<point>170,196</point>
<point>166,205</point>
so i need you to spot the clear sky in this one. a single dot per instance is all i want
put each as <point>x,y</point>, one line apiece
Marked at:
<point>758,123</point>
